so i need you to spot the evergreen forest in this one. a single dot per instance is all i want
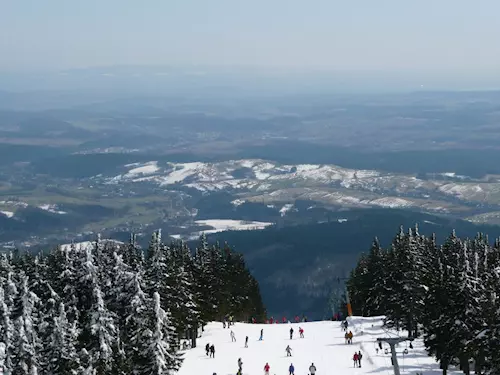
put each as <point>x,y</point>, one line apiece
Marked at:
<point>113,308</point>
<point>447,294</point>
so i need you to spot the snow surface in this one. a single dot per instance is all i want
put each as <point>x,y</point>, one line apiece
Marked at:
<point>51,208</point>
<point>323,344</point>
<point>7,213</point>
<point>221,225</point>
<point>145,169</point>
<point>285,209</point>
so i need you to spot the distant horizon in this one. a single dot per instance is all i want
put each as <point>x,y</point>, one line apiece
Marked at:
<point>151,77</point>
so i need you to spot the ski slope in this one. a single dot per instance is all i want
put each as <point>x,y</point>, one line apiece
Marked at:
<point>323,344</point>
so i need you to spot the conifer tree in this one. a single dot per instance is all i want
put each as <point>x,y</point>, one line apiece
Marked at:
<point>26,344</point>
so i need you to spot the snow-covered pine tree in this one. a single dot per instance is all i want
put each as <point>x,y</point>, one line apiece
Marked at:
<point>157,270</point>
<point>438,281</point>
<point>396,274</point>
<point>182,302</point>
<point>158,357</point>
<point>103,341</point>
<point>202,288</point>
<point>133,255</point>
<point>6,330</point>
<point>375,280</point>
<point>26,343</point>
<point>60,356</point>
<point>462,312</point>
<point>136,330</point>
<point>491,335</point>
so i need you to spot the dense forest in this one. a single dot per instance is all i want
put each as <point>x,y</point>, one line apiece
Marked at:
<point>111,308</point>
<point>448,294</point>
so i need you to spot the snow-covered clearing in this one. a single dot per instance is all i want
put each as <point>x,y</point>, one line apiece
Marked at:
<point>323,344</point>
<point>285,209</point>
<point>226,224</point>
<point>221,225</point>
<point>7,213</point>
<point>51,208</point>
<point>148,168</point>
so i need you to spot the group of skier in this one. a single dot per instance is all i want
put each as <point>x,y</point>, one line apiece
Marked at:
<point>284,320</point>
<point>357,359</point>
<point>210,350</point>
<point>227,321</point>
<point>291,369</point>
<point>301,333</point>
<point>348,337</point>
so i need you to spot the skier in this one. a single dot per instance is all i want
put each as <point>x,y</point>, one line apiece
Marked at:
<point>288,351</point>
<point>240,365</point>
<point>261,334</point>
<point>246,342</point>
<point>355,358</point>
<point>291,333</point>
<point>212,351</point>
<point>224,323</point>
<point>266,369</point>
<point>312,369</point>
<point>359,358</point>
<point>291,369</point>
<point>350,335</point>
<point>346,336</point>
<point>233,337</point>
<point>301,332</point>
<point>207,348</point>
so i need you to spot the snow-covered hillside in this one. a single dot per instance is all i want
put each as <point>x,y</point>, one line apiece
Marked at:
<point>323,344</point>
<point>259,180</point>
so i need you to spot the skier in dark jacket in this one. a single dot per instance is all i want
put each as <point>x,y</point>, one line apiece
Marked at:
<point>212,351</point>
<point>291,369</point>
<point>207,348</point>
<point>359,358</point>
<point>291,333</point>
<point>246,342</point>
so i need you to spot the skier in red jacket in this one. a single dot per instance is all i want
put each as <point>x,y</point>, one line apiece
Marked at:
<point>266,369</point>
<point>355,358</point>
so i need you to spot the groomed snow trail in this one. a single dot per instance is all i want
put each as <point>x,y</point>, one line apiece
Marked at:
<point>324,344</point>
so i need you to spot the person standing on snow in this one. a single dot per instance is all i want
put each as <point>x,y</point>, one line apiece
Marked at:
<point>291,369</point>
<point>261,334</point>
<point>246,342</point>
<point>349,337</point>
<point>233,337</point>
<point>359,358</point>
<point>301,332</point>
<point>312,369</point>
<point>240,365</point>
<point>207,348</point>
<point>355,358</point>
<point>266,369</point>
<point>291,333</point>
<point>212,351</point>
<point>288,351</point>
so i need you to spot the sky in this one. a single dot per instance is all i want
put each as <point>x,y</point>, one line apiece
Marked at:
<point>459,36</point>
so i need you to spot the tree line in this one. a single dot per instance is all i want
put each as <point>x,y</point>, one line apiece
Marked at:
<point>448,294</point>
<point>111,308</point>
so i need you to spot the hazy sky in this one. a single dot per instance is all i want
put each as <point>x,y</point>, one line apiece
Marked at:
<point>452,35</point>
